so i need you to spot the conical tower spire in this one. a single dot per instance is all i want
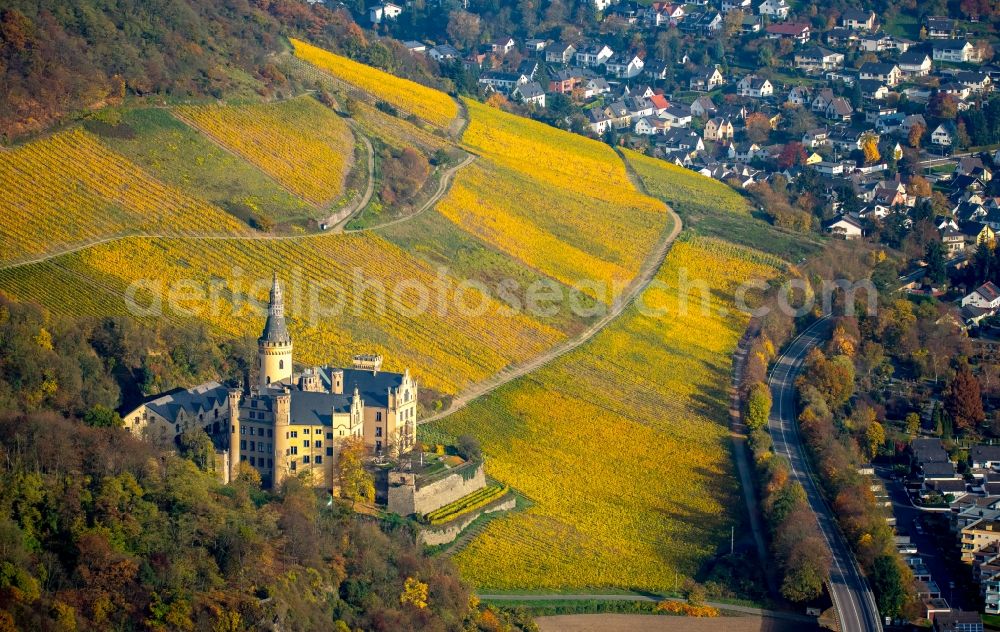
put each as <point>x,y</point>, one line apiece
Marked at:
<point>275,329</point>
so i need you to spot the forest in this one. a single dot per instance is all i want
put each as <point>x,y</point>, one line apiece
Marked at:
<point>99,530</point>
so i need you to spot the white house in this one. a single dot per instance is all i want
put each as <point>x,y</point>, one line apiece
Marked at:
<point>943,134</point>
<point>754,87</point>
<point>443,52</point>
<point>914,63</point>
<point>625,66</point>
<point>651,125</point>
<point>959,51</point>
<point>594,57</point>
<point>888,73</point>
<point>775,9</point>
<point>816,58</point>
<point>384,11</point>
<point>986,296</point>
<point>531,93</point>
<point>844,226</point>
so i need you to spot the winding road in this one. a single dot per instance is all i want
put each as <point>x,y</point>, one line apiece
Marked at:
<point>852,597</point>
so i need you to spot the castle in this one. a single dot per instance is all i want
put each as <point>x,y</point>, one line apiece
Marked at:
<point>290,423</point>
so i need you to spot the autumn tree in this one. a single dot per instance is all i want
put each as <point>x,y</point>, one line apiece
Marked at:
<point>915,134</point>
<point>919,186</point>
<point>758,127</point>
<point>875,437</point>
<point>792,154</point>
<point>463,28</point>
<point>912,424</point>
<point>356,483</point>
<point>963,401</point>
<point>415,593</point>
<point>869,146</point>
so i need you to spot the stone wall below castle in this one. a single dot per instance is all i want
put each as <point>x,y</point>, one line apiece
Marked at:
<point>406,499</point>
<point>445,533</point>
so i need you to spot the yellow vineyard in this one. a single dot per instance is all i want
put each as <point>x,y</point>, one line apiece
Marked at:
<point>622,445</point>
<point>682,186</point>
<point>69,189</point>
<point>560,203</point>
<point>395,131</point>
<point>429,104</point>
<point>344,293</point>
<point>300,143</point>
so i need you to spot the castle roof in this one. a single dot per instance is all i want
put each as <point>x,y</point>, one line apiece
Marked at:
<point>275,329</point>
<point>193,401</point>
<point>373,386</point>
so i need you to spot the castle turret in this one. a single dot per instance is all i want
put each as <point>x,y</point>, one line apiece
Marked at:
<point>234,433</point>
<point>274,347</point>
<point>282,435</point>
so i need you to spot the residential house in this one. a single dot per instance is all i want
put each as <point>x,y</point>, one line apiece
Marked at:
<point>957,51</point>
<point>594,56</point>
<point>501,46</point>
<point>565,81</point>
<point>799,95</point>
<point>682,139</point>
<point>601,5</point>
<point>443,53</point>
<point>702,23</point>
<point>877,111</point>
<point>841,37</point>
<point>878,42</point>
<point>705,79</point>
<point>914,63</point>
<point>677,115</point>
<point>746,152</point>
<point>534,45</point>
<point>384,11</point>
<point>624,66</point>
<point>817,137</point>
<point>817,59</point>
<point>717,129</point>
<point>415,47</point>
<point>774,9</point>
<point>978,536</point>
<point>943,135</point>
<point>639,107</point>
<point>858,20</point>
<point>559,53</point>
<point>839,109</point>
<point>651,125</point>
<point>977,82</point>
<point>986,296</point>
<point>703,106</point>
<point>909,122</point>
<point>530,93</point>
<point>958,621</point>
<point>939,28</point>
<point>844,226</point>
<point>755,87</point>
<point>503,82</point>
<point>986,456</point>
<point>953,241</point>
<point>598,120</point>
<point>594,86</point>
<point>660,103</point>
<point>745,6</point>
<point>656,69</point>
<point>795,31</point>
<point>887,73</point>
<point>872,90</point>
<point>620,115</point>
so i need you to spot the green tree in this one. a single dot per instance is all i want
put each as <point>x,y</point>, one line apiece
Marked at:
<point>197,446</point>
<point>937,271</point>
<point>758,407</point>
<point>887,583</point>
<point>101,416</point>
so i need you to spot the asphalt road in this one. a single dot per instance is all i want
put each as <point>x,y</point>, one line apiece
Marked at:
<point>852,597</point>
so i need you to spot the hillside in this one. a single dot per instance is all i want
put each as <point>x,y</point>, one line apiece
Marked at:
<point>526,207</point>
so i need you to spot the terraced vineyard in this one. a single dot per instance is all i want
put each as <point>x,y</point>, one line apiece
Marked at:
<point>431,105</point>
<point>622,445</point>
<point>561,203</point>
<point>69,189</point>
<point>475,500</point>
<point>300,143</point>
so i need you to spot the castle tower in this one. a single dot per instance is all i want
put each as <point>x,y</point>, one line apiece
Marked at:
<point>274,347</point>
<point>234,433</point>
<point>282,440</point>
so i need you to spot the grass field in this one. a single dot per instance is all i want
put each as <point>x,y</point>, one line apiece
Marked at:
<point>180,155</point>
<point>69,189</point>
<point>713,209</point>
<point>302,144</point>
<point>433,106</point>
<point>622,444</point>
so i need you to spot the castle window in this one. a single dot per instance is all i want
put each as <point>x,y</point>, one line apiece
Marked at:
<point>295,449</point>
<point>253,415</point>
<point>216,413</point>
<point>305,460</point>
<point>177,428</point>
<point>292,465</point>
<point>305,444</point>
<point>281,364</point>
<point>270,463</point>
<point>253,403</point>
<point>305,431</point>
<point>253,461</point>
<point>378,431</point>
<point>329,435</point>
<point>341,433</point>
<point>319,460</point>
<point>243,457</point>
<point>253,446</point>
<point>295,434</point>
<point>329,451</point>
<point>243,430</point>
<point>269,433</point>
<point>318,444</point>
<point>243,444</point>
<point>378,416</point>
